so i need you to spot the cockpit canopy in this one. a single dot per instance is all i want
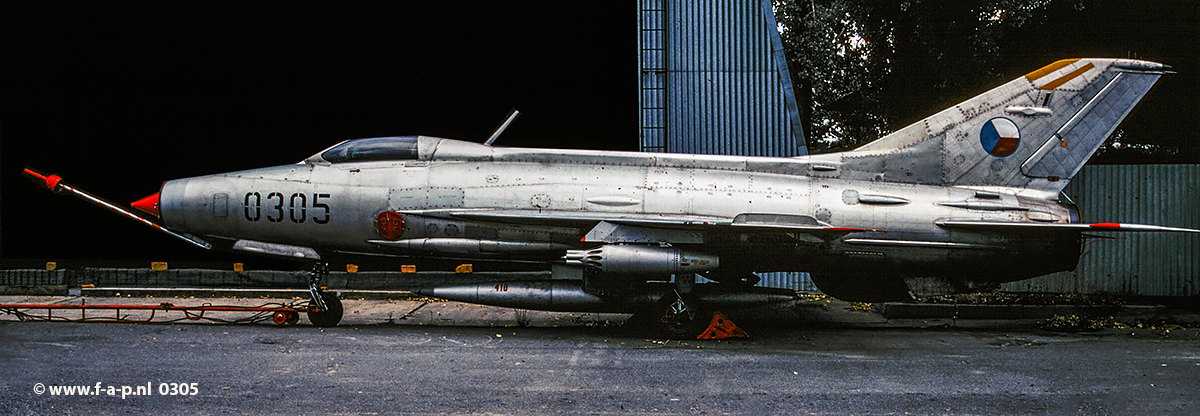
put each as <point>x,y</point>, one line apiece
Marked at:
<point>370,149</point>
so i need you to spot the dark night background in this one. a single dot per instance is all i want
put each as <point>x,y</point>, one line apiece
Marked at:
<point>117,97</point>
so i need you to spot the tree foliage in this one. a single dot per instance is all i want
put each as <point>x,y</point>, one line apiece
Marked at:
<point>864,68</point>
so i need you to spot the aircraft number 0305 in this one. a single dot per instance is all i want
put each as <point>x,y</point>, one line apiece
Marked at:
<point>297,207</point>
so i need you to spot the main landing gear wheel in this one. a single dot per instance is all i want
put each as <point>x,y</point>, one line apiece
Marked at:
<point>675,317</point>
<point>328,317</point>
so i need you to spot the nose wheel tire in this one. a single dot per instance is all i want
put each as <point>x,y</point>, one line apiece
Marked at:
<point>328,317</point>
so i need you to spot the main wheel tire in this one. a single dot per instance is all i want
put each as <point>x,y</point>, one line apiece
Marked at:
<point>653,324</point>
<point>328,317</point>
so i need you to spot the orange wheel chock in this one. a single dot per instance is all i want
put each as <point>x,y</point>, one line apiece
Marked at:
<point>722,328</point>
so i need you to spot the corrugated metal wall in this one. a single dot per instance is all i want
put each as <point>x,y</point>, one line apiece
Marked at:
<point>710,82</point>
<point>1145,264</point>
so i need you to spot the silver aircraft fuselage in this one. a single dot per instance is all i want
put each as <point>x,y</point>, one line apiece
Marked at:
<point>455,198</point>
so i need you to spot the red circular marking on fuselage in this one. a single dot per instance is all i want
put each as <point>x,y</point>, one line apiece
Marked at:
<point>389,224</point>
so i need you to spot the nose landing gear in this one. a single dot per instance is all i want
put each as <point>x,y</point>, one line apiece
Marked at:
<point>325,309</point>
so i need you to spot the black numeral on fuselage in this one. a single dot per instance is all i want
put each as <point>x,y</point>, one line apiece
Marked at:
<point>277,216</point>
<point>302,210</point>
<point>295,208</point>
<point>252,206</point>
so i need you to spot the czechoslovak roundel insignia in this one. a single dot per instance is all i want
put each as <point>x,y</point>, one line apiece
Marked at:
<point>1000,137</point>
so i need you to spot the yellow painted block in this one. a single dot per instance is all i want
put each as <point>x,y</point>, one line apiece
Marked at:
<point>351,268</point>
<point>239,267</point>
<point>464,268</point>
<point>408,268</point>
<point>50,266</point>
<point>158,265</point>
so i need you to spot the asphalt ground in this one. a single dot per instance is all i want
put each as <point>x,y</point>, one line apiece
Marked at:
<point>417,357</point>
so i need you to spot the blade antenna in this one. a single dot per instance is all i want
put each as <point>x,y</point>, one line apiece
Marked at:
<point>512,115</point>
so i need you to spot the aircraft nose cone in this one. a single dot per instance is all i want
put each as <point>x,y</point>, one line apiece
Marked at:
<point>148,204</point>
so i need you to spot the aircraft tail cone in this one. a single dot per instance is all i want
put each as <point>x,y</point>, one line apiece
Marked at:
<point>722,328</point>
<point>148,205</point>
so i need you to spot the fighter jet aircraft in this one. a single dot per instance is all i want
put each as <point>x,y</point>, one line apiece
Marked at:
<point>967,198</point>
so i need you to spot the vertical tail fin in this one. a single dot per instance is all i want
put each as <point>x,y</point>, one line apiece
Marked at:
<point>1034,132</point>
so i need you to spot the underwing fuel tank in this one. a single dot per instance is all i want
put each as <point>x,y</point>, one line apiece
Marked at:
<point>569,296</point>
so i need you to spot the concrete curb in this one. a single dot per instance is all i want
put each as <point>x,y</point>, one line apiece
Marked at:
<point>967,311</point>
